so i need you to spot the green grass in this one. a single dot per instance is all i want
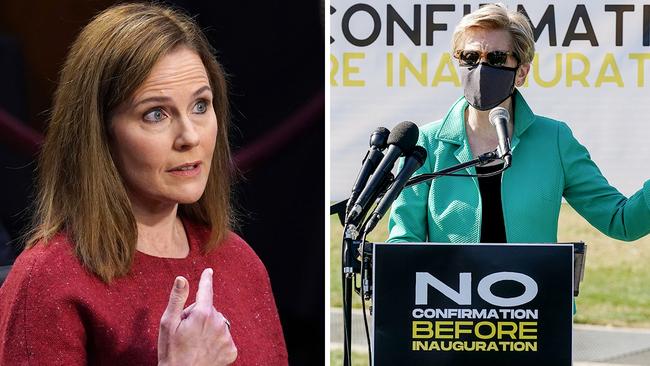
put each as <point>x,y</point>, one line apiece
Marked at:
<point>616,288</point>
<point>358,359</point>
<point>378,235</point>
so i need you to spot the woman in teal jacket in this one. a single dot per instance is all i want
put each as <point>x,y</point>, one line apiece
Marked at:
<point>494,47</point>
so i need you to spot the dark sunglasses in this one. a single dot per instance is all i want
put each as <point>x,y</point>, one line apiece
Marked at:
<point>493,58</point>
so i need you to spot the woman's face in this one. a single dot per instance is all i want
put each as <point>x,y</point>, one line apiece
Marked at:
<point>163,137</point>
<point>487,40</point>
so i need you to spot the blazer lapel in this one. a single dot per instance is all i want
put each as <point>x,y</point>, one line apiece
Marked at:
<point>453,131</point>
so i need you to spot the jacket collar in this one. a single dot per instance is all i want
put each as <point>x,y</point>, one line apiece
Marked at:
<point>453,124</point>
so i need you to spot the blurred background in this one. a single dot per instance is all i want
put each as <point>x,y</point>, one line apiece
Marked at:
<point>273,52</point>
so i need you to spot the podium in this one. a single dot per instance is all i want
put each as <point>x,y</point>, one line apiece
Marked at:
<point>474,304</point>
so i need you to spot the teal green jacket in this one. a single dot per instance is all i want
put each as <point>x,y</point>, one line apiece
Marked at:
<point>547,164</point>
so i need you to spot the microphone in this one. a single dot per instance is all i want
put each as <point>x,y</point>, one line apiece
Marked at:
<point>499,117</point>
<point>401,140</point>
<point>378,142</point>
<point>412,163</point>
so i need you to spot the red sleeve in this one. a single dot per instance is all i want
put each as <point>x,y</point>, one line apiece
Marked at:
<point>271,337</point>
<point>39,321</point>
<point>272,319</point>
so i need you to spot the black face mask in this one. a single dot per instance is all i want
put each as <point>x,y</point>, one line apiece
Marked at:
<point>486,86</point>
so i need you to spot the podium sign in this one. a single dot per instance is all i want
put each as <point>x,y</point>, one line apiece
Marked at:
<point>471,304</point>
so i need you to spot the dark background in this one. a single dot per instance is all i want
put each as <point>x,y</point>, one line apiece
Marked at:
<point>274,54</point>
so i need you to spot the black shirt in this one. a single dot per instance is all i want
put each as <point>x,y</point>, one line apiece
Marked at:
<point>492,227</point>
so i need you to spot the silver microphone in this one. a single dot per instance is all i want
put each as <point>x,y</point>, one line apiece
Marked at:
<point>499,118</point>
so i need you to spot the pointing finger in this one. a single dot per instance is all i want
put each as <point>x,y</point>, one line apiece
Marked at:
<point>204,293</point>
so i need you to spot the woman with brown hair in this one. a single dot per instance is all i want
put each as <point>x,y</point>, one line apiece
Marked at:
<point>134,196</point>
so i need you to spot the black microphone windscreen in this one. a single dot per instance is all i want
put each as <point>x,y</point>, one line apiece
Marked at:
<point>379,138</point>
<point>404,136</point>
<point>420,154</point>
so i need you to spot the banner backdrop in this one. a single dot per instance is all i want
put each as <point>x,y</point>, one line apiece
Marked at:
<point>472,305</point>
<point>391,61</point>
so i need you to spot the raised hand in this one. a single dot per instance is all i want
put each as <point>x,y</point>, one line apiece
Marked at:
<point>196,335</point>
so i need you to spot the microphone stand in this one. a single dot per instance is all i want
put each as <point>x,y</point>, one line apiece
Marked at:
<point>351,266</point>
<point>479,160</point>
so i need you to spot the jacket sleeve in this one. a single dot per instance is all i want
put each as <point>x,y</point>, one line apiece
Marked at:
<point>264,325</point>
<point>38,325</point>
<point>408,215</point>
<point>589,193</point>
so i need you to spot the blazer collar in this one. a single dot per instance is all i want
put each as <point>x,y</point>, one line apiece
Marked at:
<point>453,131</point>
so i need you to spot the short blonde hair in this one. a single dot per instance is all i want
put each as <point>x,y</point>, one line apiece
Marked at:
<point>497,17</point>
<point>79,188</point>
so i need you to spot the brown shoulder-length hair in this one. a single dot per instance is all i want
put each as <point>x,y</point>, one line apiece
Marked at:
<point>79,188</point>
